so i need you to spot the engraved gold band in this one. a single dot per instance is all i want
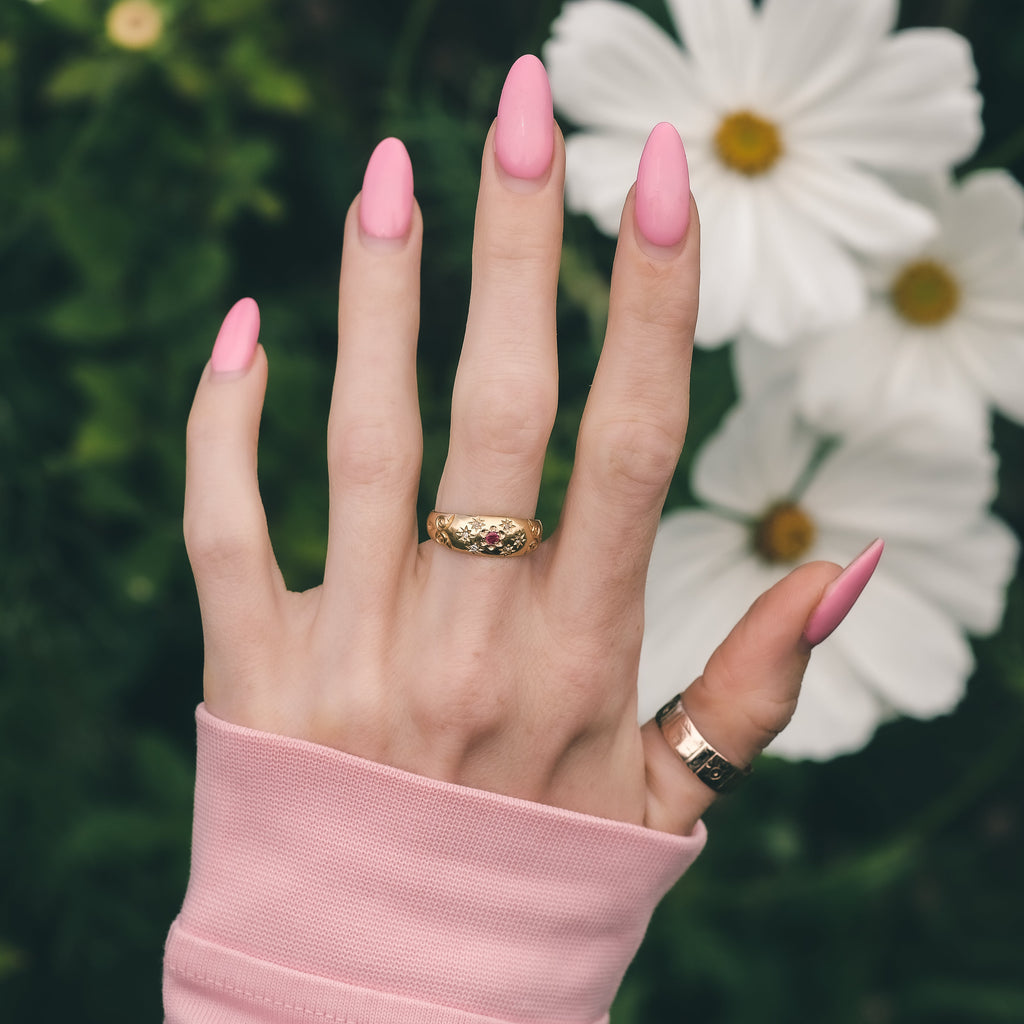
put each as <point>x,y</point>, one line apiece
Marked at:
<point>505,536</point>
<point>697,754</point>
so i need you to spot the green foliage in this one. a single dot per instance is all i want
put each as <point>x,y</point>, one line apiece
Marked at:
<point>141,192</point>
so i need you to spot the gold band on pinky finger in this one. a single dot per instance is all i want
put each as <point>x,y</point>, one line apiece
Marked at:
<point>504,536</point>
<point>697,754</point>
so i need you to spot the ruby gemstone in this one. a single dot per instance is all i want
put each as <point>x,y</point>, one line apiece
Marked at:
<point>493,539</point>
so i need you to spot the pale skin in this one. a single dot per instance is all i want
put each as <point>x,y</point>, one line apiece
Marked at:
<point>515,675</point>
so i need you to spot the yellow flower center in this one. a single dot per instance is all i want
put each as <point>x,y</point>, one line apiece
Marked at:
<point>747,143</point>
<point>134,24</point>
<point>925,293</point>
<point>784,533</point>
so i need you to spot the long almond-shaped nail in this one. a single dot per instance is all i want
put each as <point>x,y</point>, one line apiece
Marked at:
<point>842,593</point>
<point>663,188</point>
<point>236,340</point>
<point>524,139</point>
<point>385,205</point>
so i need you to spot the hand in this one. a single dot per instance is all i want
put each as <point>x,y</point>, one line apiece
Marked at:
<point>516,675</point>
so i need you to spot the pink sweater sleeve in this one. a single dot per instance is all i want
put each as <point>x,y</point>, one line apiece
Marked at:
<point>326,888</point>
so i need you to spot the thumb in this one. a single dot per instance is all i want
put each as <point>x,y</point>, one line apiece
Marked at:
<point>748,691</point>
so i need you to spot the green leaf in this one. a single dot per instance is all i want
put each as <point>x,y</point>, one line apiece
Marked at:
<point>241,172</point>
<point>278,89</point>
<point>76,14</point>
<point>12,959</point>
<point>266,82</point>
<point>84,78</point>
<point>90,315</point>
<point>111,430</point>
<point>222,13</point>
<point>99,237</point>
<point>188,277</point>
<point>187,77</point>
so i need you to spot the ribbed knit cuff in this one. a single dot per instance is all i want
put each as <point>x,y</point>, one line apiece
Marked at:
<point>326,887</point>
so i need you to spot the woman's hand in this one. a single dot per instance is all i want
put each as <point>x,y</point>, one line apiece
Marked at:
<point>516,675</point>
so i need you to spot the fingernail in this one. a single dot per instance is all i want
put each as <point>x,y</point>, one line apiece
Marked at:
<point>524,139</point>
<point>385,204</point>
<point>236,340</point>
<point>663,188</point>
<point>842,593</point>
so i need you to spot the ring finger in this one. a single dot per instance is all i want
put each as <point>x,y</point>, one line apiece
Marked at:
<point>506,387</point>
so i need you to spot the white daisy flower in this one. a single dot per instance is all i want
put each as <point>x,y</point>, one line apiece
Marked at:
<point>774,498</point>
<point>789,111</point>
<point>943,334</point>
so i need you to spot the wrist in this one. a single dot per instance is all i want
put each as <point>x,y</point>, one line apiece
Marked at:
<point>377,880</point>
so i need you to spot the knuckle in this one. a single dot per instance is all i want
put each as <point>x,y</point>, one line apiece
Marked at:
<point>637,454</point>
<point>376,453</point>
<point>509,417</point>
<point>579,703</point>
<point>659,304</point>
<point>593,664</point>
<point>217,549</point>
<point>760,707</point>
<point>469,694</point>
<point>529,256</point>
<point>459,708</point>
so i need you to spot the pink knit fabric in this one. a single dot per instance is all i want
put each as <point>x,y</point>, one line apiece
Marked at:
<point>329,888</point>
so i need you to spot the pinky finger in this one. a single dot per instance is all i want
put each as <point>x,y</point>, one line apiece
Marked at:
<point>225,527</point>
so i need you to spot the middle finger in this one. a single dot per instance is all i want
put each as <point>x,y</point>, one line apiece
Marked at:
<point>506,387</point>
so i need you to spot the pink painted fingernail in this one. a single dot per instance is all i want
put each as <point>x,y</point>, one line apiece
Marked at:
<point>236,340</point>
<point>842,593</point>
<point>524,139</point>
<point>663,188</point>
<point>385,205</point>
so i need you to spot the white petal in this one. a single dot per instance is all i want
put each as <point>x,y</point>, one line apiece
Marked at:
<point>807,49</point>
<point>926,378</point>
<point>720,36</point>
<point>599,170</point>
<point>915,656</point>
<point>727,255</point>
<point>841,372</point>
<point>995,363</point>
<point>992,282</point>
<point>912,107</point>
<point>910,480</point>
<point>683,631</point>
<point>837,713</point>
<point>759,367</point>
<point>902,371</point>
<point>854,206</point>
<point>928,190</point>
<point>806,281</point>
<point>840,546</point>
<point>967,578</point>
<point>756,456</point>
<point>881,269</point>
<point>986,210</point>
<point>610,66</point>
<point>692,546</point>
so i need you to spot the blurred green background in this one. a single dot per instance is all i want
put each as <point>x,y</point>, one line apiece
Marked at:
<point>142,192</point>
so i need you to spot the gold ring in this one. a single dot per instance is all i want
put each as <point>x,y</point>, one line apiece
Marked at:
<point>698,755</point>
<point>485,535</point>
